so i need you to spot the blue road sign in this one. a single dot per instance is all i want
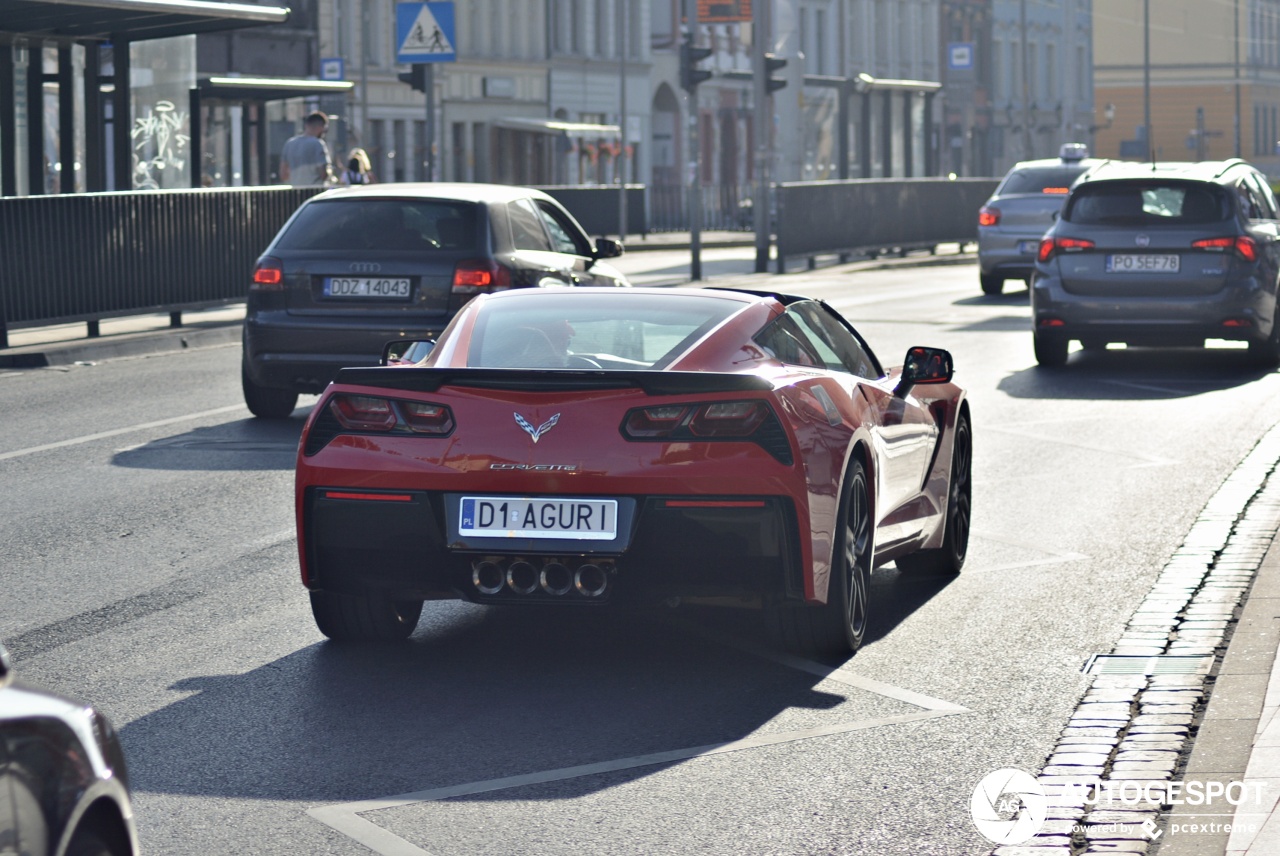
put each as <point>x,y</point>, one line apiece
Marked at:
<point>425,32</point>
<point>332,68</point>
<point>960,56</point>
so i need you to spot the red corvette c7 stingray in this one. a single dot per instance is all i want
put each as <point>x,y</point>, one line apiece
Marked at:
<point>594,446</point>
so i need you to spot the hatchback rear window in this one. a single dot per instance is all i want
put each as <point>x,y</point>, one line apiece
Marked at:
<point>1147,203</point>
<point>355,225</point>
<point>1048,179</point>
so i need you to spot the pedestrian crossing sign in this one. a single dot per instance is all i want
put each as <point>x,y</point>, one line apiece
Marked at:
<point>425,32</point>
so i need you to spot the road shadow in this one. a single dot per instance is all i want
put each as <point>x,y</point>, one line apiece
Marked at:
<point>1137,374</point>
<point>241,444</point>
<point>480,693</point>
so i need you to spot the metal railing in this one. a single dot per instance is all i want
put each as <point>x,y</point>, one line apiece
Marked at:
<point>725,207</point>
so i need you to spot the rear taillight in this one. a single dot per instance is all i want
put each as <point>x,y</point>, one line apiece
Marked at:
<point>650,422</point>
<point>988,216</point>
<point>374,414</point>
<point>363,412</point>
<point>728,419</point>
<point>1242,245</point>
<point>476,276</point>
<point>425,418</point>
<point>268,275</point>
<point>718,419</point>
<point>1050,247</point>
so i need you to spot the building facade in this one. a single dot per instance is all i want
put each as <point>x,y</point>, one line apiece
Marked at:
<point>1214,80</point>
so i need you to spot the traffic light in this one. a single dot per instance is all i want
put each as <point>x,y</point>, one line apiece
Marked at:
<point>771,64</point>
<point>416,76</point>
<point>690,74</point>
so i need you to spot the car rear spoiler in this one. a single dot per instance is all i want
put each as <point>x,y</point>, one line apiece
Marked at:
<point>552,380</point>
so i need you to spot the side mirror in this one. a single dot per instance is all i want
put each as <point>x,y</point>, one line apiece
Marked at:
<point>406,352</point>
<point>924,366</point>
<point>607,248</point>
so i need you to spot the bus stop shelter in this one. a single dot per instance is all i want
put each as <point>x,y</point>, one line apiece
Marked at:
<point>29,26</point>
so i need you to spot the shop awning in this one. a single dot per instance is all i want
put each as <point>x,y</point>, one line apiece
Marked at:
<point>135,20</point>
<point>268,88</point>
<point>560,127</point>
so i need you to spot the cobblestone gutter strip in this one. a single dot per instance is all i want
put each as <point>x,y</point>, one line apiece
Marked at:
<point>1126,737</point>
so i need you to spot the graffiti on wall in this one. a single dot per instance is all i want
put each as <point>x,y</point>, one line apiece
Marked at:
<point>160,147</point>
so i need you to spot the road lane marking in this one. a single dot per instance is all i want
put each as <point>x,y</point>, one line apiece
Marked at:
<point>116,432</point>
<point>1147,460</point>
<point>345,818</point>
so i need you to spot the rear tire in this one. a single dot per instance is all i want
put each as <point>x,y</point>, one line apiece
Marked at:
<point>991,284</point>
<point>838,627</point>
<point>369,617</point>
<point>266,402</point>
<point>1051,351</point>
<point>949,558</point>
<point>1267,352</point>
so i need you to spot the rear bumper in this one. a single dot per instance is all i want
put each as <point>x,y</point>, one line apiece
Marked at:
<point>745,546</point>
<point>1240,312</point>
<point>1000,253</point>
<point>303,354</point>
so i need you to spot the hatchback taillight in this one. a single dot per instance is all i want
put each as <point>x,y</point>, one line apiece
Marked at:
<point>988,216</point>
<point>268,275</point>
<point>1050,247</point>
<point>476,276</point>
<point>1242,245</point>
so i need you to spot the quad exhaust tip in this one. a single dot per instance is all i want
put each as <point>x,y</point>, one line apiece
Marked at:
<point>555,577</point>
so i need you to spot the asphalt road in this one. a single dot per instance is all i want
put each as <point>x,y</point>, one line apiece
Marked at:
<point>149,567</point>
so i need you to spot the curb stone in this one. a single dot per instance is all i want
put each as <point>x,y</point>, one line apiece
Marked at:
<point>1144,727</point>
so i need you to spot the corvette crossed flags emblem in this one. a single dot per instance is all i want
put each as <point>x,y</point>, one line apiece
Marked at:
<point>535,433</point>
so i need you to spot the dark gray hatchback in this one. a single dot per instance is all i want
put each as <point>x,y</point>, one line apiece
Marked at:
<point>356,268</point>
<point>1161,255</point>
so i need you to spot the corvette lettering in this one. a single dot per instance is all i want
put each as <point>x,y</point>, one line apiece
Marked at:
<point>537,468</point>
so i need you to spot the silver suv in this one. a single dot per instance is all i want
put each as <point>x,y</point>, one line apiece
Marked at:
<point>1021,210</point>
<point>1164,254</point>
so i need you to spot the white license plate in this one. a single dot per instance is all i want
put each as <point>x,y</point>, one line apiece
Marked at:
<point>1143,263</point>
<point>366,286</point>
<point>534,517</point>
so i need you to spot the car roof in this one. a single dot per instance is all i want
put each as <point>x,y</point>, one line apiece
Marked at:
<point>1050,163</point>
<point>1213,171</point>
<point>453,191</point>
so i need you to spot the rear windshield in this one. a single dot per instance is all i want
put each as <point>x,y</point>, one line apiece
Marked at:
<point>382,224</point>
<point>563,329</point>
<point>1045,179</point>
<point>1147,203</point>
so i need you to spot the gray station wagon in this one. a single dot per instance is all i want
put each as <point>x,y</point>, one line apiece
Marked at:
<point>356,268</point>
<point>1164,254</point>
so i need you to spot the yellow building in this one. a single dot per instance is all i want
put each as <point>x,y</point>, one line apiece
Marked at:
<point>1214,79</point>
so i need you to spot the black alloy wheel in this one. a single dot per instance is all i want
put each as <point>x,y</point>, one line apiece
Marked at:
<point>838,627</point>
<point>949,558</point>
<point>369,617</point>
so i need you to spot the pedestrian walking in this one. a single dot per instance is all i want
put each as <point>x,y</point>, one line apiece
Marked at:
<point>359,170</point>
<point>304,161</point>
